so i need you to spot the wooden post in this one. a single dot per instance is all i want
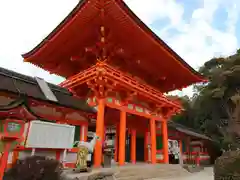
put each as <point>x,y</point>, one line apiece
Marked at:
<point>122,138</point>
<point>33,152</point>
<point>64,157</point>
<point>58,155</point>
<point>189,153</point>
<point>4,159</point>
<point>116,142</point>
<point>83,132</point>
<point>153,140</point>
<point>15,156</point>
<point>165,142</point>
<point>189,144</point>
<point>197,159</point>
<point>133,146</point>
<point>145,146</point>
<point>180,152</point>
<point>99,132</point>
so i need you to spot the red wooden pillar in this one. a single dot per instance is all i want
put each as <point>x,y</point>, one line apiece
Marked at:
<point>146,142</point>
<point>197,160</point>
<point>180,146</point>
<point>181,160</point>
<point>165,141</point>
<point>133,146</point>
<point>153,140</point>
<point>187,145</point>
<point>4,160</point>
<point>83,132</point>
<point>189,153</point>
<point>99,132</point>
<point>122,138</point>
<point>15,156</point>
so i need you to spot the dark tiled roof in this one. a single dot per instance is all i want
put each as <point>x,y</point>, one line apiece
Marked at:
<point>187,130</point>
<point>17,83</point>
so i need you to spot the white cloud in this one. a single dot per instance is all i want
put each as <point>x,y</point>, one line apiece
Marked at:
<point>197,40</point>
<point>152,10</point>
<point>25,23</point>
<point>207,11</point>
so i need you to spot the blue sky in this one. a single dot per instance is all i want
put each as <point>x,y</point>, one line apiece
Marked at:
<point>196,29</point>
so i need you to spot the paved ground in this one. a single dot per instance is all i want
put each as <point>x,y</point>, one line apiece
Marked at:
<point>206,174</point>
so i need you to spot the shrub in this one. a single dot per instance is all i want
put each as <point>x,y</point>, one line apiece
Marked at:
<point>227,166</point>
<point>35,168</point>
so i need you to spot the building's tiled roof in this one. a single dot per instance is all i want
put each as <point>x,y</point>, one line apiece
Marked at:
<point>17,83</point>
<point>187,130</point>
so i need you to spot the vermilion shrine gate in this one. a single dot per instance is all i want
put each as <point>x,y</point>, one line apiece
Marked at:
<point>111,58</point>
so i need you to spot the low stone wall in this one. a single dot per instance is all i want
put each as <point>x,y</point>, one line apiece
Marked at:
<point>227,166</point>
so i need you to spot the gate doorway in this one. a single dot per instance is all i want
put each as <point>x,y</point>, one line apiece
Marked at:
<point>140,149</point>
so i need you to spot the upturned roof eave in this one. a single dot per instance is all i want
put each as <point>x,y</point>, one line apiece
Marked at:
<point>56,30</point>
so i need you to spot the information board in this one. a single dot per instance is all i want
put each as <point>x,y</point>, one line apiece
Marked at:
<point>50,135</point>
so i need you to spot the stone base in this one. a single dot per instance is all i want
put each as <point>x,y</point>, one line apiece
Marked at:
<point>139,171</point>
<point>88,176</point>
<point>101,176</point>
<point>193,169</point>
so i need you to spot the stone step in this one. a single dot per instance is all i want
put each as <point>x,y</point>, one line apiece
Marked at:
<point>150,172</point>
<point>150,169</point>
<point>165,176</point>
<point>119,175</point>
<point>138,172</point>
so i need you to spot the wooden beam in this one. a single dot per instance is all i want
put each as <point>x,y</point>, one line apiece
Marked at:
<point>127,82</point>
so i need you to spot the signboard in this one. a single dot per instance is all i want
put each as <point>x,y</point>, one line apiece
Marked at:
<point>50,135</point>
<point>13,127</point>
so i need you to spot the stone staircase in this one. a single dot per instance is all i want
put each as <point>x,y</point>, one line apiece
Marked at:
<point>131,172</point>
<point>147,171</point>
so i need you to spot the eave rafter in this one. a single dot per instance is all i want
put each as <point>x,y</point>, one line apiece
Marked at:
<point>102,78</point>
